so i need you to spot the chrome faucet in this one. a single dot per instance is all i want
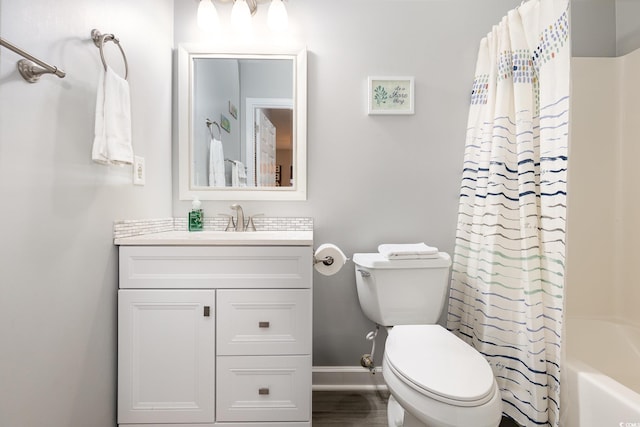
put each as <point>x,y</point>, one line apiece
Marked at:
<point>239,216</point>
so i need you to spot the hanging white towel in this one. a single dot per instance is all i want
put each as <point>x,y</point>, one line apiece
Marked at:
<point>242,174</point>
<point>216,164</point>
<point>408,251</point>
<point>112,142</point>
<point>235,179</point>
<point>238,174</point>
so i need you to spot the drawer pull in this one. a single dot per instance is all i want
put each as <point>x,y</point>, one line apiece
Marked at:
<point>263,391</point>
<point>263,324</point>
<point>207,311</point>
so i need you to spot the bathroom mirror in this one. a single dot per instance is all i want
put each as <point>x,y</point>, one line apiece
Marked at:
<point>242,123</point>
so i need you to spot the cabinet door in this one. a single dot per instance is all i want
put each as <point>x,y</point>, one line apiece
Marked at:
<point>166,356</point>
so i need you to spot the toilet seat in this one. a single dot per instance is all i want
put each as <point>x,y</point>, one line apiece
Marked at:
<point>440,365</point>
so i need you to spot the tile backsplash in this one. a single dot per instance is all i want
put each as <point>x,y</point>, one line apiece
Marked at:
<point>137,227</point>
<point>130,228</point>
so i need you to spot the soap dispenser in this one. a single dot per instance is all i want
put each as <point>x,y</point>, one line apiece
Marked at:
<point>196,217</point>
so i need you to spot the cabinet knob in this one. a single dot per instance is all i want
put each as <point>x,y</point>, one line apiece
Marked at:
<point>263,324</point>
<point>263,391</point>
<point>207,311</point>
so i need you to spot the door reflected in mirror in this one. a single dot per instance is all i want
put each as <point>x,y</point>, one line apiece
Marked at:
<point>242,125</point>
<point>273,147</point>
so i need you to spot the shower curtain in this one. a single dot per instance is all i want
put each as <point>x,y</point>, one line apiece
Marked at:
<point>506,293</point>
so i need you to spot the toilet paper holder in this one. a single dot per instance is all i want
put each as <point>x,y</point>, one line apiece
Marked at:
<point>328,260</point>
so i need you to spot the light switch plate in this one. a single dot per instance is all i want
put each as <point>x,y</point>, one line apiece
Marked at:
<point>138,170</point>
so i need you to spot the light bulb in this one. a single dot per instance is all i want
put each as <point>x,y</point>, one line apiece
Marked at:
<point>241,16</point>
<point>207,16</point>
<point>277,18</point>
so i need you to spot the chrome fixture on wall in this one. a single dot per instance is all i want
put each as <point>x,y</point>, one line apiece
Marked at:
<point>241,13</point>
<point>100,39</point>
<point>32,68</point>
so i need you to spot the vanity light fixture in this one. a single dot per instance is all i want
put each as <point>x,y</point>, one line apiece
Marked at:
<point>277,18</point>
<point>241,15</point>
<point>207,16</point>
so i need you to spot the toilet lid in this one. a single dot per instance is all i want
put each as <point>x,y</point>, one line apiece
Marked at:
<point>439,363</point>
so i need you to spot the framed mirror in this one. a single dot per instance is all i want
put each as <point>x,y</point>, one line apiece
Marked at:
<point>242,131</point>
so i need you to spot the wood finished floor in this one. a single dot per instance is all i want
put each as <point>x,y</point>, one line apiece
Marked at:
<point>347,409</point>
<point>356,409</point>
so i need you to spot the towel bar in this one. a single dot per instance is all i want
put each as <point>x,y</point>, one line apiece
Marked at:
<point>32,68</point>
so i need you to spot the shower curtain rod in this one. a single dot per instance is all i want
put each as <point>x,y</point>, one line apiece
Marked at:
<point>32,68</point>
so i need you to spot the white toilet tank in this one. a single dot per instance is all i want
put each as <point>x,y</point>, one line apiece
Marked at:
<point>402,292</point>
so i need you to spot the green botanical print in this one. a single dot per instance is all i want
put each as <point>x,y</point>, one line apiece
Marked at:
<point>380,95</point>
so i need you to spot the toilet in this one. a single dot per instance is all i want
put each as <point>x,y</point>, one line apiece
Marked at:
<point>435,378</point>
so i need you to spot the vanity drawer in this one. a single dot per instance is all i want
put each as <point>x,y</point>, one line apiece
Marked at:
<point>263,388</point>
<point>209,267</point>
<point>263,321</point>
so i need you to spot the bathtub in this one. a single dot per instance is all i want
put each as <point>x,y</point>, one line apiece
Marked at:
<point>601,375</point>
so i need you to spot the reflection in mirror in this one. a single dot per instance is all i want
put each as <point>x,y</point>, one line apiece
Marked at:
<point>242,126</point>
<point>255,145</point>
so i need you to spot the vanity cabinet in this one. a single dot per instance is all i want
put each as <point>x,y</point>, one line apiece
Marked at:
<point>215,336</point>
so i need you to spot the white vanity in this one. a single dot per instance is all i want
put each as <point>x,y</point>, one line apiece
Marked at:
<point>214,329</point>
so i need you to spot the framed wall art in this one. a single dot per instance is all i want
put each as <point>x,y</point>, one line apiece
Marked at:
<point>224,123</point>
<point>390,95</point>
<point>233,110</point>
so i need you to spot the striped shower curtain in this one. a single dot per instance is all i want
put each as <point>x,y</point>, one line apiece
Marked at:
<point>508,269</point>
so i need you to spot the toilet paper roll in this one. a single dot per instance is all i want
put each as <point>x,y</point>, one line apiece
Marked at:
<point>328,259</point>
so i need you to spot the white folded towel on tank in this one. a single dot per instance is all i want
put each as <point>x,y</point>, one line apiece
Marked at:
<point>407,251</point>
<point>429,256</point>
<point>112,141</point>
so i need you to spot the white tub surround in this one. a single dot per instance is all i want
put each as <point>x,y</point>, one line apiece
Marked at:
<point>601,374</point>
<point>602,381</point>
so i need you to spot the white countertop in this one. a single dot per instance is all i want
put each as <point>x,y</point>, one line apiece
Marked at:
<point>217,238</point>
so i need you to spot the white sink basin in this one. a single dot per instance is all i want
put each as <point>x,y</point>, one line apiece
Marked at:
<point>214,238</point>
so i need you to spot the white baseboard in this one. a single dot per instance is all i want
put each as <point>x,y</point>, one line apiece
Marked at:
<point>345,378</point>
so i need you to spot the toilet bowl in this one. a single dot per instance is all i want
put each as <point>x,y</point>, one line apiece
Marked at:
<point>437,379</point>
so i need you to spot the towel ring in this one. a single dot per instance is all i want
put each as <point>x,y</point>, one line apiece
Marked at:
<point>99,39</point>
<point>209,123</point>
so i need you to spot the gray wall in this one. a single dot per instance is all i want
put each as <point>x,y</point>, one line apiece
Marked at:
<point>58,265</point>
<point>627,26</point>
<point>604,28</point>
<point>593,27</point>
<point>373,179</point>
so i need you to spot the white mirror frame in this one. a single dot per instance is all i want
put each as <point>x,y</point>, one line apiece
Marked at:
<point>185,129</point>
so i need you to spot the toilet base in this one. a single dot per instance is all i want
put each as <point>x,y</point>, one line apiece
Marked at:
<point>398,417</point>
<point>395,413</point>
